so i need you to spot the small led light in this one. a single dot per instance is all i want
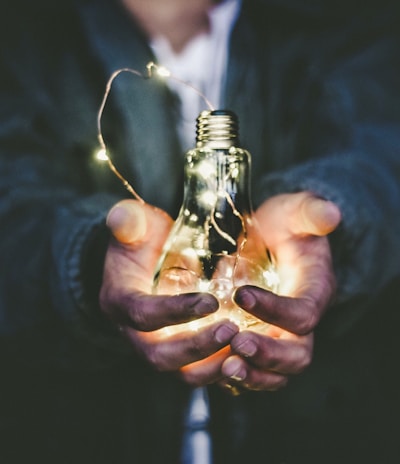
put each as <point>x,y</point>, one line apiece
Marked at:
<point>208,198</point>
<point>234,172</point>
<point>205,169</point>
<point>101,155</point>
<point>163,72</point>
<point>202,253</point>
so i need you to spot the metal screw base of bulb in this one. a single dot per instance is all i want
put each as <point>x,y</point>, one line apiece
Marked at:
<point>217,129</point>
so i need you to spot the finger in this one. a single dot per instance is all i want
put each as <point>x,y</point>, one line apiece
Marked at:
<point>127,221</point>
<point>131,221</point>
<point>150,312</point>
<point>288,354</point>
<point>297,315</point>
<point>206,371</point>
<point>172,352</point>
<point>296,214</point>
<point>243,376</point>
<point>315,216</point>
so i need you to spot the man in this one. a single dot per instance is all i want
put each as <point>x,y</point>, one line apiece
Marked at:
<point>317,102</point>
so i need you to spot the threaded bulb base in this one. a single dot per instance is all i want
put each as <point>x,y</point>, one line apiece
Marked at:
<point>217,129</point>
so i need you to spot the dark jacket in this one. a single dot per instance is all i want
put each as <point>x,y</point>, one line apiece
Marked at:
<point>316,91</point>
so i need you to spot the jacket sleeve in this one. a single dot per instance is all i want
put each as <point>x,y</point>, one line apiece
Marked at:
<point>353,159</point>
<point>52,214</point>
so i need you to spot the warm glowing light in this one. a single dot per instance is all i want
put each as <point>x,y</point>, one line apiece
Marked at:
<point>191,217</point>
<point>234,172</point>
<point>163,72</point>
<point>189,253</point>
<point>208,198</point>
<point>194,325</point>
<point>202,253</point>
<point>271,278</point>
<point>159,70</point>
<point>101,155</point>
<point>206,170</point>
<point>203,285</point>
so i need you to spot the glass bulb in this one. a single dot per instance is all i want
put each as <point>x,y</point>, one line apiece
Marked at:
<point>215,244</point>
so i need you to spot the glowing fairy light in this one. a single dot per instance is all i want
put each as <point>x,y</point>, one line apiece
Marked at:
<point>208,198</point>
<point>101,155</point>
<point>163,72</point>
<point>152,69</point>
<point>206,170</point>
<point>216,175</point>
<point>234,173</point>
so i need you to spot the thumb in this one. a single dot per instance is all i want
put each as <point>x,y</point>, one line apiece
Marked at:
<point>127,221</point>
<point>317,216</point>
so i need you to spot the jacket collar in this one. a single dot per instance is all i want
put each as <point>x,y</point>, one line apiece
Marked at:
<point>150,149</point>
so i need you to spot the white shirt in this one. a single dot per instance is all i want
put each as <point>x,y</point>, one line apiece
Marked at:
<point>202,64</point>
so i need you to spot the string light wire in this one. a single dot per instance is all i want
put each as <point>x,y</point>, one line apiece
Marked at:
<point>152,70</point>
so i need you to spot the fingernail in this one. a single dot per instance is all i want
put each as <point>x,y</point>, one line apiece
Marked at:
<point>127,221</point>
<point>233,369</point>
<point>114,213</point>
<point>247,348</point>
<point>204,304</point>
<point>244,298</point>
<point>224,333</point>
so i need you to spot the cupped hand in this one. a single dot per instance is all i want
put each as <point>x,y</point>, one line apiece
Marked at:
<point>138,234</point>
<point>295,227</point>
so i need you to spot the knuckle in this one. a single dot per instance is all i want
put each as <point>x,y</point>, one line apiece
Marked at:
<point>278,383</point>
<point>282,383</point>
<point>304,361</point>
<point>271,358</point>
<point>190,378</point>
<point>111,308</point>
<point>307,323</point>
<point>106,303</point>
<point>139,317</point>
<point>274,356</point>
<point>155,358</point>
<point>198,349</point>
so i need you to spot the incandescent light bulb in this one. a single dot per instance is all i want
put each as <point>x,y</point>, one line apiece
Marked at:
<point>215,245</point>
